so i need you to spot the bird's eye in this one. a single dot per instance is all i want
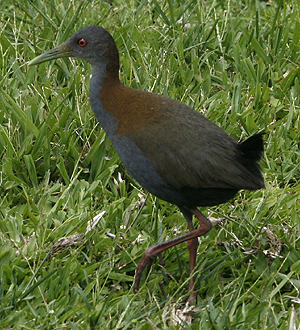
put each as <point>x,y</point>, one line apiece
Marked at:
<point>81,42</point>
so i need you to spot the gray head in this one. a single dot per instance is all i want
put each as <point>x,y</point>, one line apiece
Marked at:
<point>92,43</point>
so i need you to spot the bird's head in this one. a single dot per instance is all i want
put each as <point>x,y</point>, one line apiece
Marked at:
<point>92,43</point>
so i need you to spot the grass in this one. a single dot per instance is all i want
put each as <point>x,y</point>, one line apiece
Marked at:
<point>234,61</point>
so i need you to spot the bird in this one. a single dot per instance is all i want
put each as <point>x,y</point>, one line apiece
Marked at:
<point>170,149</point>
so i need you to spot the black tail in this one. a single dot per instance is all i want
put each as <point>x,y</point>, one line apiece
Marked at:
<point>253,147</point>
<point>251,152</point>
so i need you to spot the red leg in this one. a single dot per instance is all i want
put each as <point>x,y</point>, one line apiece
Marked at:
<point>192,247</point>
<point>153,251</point>
<point>161,261</point>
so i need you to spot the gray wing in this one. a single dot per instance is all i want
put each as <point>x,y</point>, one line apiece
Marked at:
<point>191,151</point>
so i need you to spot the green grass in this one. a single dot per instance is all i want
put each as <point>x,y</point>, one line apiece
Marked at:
<point>235,61</point>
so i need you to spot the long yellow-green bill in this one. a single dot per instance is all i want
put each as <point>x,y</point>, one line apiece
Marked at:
<point>57,52</point>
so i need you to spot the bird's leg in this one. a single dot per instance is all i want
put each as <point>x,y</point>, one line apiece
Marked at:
<point>153,251</point>
<point>192,247</point>
<point>161,262</point>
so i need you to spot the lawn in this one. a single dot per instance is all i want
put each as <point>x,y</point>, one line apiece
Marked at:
<point>235,61</point>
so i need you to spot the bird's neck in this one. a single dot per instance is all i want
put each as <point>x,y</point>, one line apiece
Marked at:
<point>99,78</point>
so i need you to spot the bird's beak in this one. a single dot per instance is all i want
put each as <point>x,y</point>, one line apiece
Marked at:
<point>60,51</point>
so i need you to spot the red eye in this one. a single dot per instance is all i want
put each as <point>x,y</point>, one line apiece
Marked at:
<point>81,42</point>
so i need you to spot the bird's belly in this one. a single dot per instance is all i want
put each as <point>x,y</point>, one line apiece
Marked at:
<point>143,170</point>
